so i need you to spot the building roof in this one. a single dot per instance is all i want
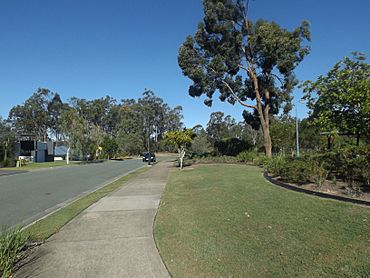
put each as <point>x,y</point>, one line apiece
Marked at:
<point>60,151</point>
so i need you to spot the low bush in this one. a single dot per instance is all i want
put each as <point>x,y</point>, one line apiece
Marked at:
<point>316,173</point>
<point>231,146</point>
<point>276,165</point>
<point>216,159</point>
<point>247,156</point>
<point>350,163</point>
<point>294,171</point>
<point>297,171</point>
<point>261,161</point>
<point>8,163</point>
<point>12,242</point>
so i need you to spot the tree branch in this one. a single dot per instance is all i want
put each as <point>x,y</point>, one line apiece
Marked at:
<point>236,97</point>
<point>278,78</point>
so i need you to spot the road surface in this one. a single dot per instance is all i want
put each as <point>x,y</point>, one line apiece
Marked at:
<point>29,196</point>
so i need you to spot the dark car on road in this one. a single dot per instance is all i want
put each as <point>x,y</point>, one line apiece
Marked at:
<point>147,155</point>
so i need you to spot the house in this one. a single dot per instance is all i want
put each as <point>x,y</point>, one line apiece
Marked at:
<point>60,153</point>
<point>34,150</point>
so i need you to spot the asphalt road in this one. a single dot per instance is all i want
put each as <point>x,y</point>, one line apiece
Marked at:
<point>29,196</point>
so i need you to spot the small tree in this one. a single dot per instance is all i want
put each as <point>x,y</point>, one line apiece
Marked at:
<point>181,140</point>
<point>340,100</point>
<point>109,146</point>
<point>72,128</point>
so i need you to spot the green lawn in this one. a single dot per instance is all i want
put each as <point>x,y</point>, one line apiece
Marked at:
<point>227,221</point>
<point>34,166</point>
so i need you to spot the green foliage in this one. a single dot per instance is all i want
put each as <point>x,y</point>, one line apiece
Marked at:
<point>309,137</point>
<point>7,143</point>
<point>84,124</point>
<point>340,100</point>
<point>200,144</point>
<point>247,156</point>
<point>12,241</point>
<point>261,160</point>
<point>229,137</point>
<point>38,114</point>
<point>297,171</point>
<point>231,146</point>
<point>283,132</point>
<point>276,165</point>
<point>110,146</point>
<point>130,144</point>
<point>351,163</point>
<point>215,159</point>
<point>179,138</point>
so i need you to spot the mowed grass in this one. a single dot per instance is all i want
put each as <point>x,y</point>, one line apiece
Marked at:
<point>41,165</point>
<point>227,221</point>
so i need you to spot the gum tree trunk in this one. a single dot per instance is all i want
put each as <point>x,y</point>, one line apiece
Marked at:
<point>181,152</point>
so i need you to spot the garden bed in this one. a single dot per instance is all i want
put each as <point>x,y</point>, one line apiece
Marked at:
<point>340,191</point>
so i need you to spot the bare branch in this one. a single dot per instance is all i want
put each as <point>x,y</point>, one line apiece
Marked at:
<point>236,97</point>
<point>278,78</point>
<point>243,67</point>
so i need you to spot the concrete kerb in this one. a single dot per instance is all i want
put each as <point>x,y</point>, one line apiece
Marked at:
<point>42,215</point>
<point>155,217</point>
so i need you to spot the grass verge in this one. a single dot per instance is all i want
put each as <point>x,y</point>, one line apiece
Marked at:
<point>12,242</point>
<point>43,229</point>
<point>227,221</point>
<point>41,165</point>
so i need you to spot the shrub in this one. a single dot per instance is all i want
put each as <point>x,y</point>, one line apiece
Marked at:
<point>8,163</point>
<point>247,156</point>
<point>316,173</point>
<point>261,161</point>
<point>12,241</point>
<point>297,171</point>
<point>216,159</point>
<point>276,165</point>
<point>294,171</point>
<point>231,146</point>
<point>351,163</point>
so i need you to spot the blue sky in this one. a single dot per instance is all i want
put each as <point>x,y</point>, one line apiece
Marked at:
<point>90,49</point>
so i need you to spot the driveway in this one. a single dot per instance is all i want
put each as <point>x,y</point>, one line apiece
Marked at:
<point>27,197</point>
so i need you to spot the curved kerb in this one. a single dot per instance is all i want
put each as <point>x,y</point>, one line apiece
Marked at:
<point>315,193</point>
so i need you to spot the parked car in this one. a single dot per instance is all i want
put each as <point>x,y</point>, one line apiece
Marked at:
<point>147,155</point>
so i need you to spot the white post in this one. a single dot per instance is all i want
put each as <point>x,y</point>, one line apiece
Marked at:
<point>67,157</point>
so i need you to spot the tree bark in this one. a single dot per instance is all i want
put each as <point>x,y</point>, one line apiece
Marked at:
<point>263,115</point>
<point>181,156</point>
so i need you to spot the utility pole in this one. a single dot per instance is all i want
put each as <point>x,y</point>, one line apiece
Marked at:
<point>148,128</point>
<point>296,130</point>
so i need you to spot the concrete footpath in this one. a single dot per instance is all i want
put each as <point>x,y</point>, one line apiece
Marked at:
<point>112,238</point>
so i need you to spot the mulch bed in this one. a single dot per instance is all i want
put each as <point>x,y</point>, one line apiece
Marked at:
<point>328,191</point>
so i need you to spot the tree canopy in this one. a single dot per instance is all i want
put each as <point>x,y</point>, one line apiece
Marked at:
<point>249,63</point>
<point>181,139</point>
<point>340,100</point>
<point>118,127</point>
